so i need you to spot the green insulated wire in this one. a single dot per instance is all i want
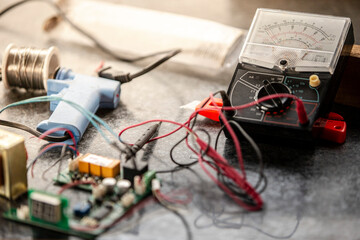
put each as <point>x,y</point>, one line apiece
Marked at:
<point>89,115</point>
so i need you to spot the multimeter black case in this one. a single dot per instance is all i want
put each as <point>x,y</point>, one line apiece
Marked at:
<point>269,121</point>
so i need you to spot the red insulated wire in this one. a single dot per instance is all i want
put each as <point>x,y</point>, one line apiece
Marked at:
<point>170,199</point>
<point>234,138</point>
<point>233,175</point>
<point>181,125</point>
<point>45,149</point>
<point>76,183</point>
<point>300,109</point>
<point>303,118</point>
<point>228,171</point>
<point>222,165</point>
<point>48,132</point>
<point>100,66</point>
<point>249,190</point>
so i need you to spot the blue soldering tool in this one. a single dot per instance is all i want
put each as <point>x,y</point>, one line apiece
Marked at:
<point>89,92</point>
<point>33,68</point>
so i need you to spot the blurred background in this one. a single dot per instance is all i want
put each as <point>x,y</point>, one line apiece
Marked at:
<point>311,194</point>
<point>239,13</point>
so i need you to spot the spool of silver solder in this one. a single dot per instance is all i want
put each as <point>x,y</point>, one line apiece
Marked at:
<point>29,68</point>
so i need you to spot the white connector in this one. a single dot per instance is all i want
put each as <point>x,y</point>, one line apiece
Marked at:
<point>73,164</point>
<point>22,212</point>
<point>155,184</point>
<point>139,185</point>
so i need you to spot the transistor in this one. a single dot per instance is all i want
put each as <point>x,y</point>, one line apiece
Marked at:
<point>102,212</point>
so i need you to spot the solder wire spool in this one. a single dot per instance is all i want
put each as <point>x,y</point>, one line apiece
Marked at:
<point>29,68</point>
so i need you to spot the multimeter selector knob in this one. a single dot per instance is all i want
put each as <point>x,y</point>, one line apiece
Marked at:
<point>276,104</point>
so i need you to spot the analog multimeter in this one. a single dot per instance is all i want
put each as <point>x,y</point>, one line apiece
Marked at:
<point>294,53</point>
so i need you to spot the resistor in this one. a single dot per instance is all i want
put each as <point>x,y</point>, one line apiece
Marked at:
<point>29,68</point>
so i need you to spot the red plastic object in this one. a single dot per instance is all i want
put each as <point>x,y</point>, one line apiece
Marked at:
<point>209,109</point>
<point>332,128</point>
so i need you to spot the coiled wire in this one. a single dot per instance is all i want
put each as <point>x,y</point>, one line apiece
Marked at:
<point>29,68</point>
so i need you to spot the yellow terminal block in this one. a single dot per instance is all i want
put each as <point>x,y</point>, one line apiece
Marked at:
<point>13,177</point>
<point>99,166</point>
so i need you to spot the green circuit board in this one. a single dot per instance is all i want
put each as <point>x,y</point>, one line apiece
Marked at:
<point>72,225</point>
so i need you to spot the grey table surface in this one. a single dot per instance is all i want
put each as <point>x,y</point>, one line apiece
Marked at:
<point>311,193</point>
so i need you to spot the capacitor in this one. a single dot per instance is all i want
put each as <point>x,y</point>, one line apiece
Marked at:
<point>123,186</point>
<point>99,192</point>
<point>109,184</point>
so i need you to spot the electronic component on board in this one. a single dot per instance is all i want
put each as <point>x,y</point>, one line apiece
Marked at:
<point>73,164</point>
<point>130,172</point>
<point>290,53</point>
<point>13,177</point>
<point>23,212</point>
<point>45,207</point>
<point>88,219</point>
<point>82,209</point>
<point>139,185</point>
<point>89,222</point>
<point>92,168</point>
<point>127,199</point>
<point>99,166</point>
<point>48,208</point>
<point>102,212</point>
<point>109,184</point>
<point>155,185</point>
<point>99,192</point>
<point>123,185</point>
